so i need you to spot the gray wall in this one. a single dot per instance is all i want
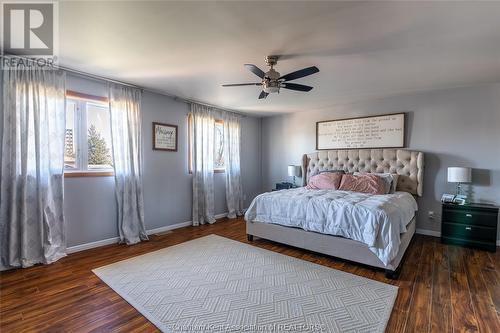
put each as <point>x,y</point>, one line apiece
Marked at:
<point>90,206</point>
<point>454,127</point>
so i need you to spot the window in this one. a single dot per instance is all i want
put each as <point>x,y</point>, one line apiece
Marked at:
<point>219,146</point>
<point>219,163</point>
<point>87,150</point>
<point>69,141</point>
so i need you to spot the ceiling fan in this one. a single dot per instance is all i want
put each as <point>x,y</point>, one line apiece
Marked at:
<point>272,81</point>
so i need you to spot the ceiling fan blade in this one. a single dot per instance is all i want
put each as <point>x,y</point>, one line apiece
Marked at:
<point>295,86</point>
<point>263,94</point>
<point>242,84</point>
<point>256,70</point>
<point>300,73</point>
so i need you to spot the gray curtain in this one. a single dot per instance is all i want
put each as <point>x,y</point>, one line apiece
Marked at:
<point>125,110</point>
<point>232,145</point>
<point>31,195</point>
<point>203,164</point>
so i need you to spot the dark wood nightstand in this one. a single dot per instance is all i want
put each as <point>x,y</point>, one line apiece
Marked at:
<point>284,186</point>
<point>473,225</point>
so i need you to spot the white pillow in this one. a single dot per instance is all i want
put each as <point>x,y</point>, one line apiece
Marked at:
<point>395,178</point>
<point>390,180</point>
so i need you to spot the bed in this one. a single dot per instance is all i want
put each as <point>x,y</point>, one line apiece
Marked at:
<point>367,229</point>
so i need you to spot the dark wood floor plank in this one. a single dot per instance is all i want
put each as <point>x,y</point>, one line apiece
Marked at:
<point>406,281</point>
<point>420,306</point>
<point>397,321</point>
<point>441,314</point>
<point>482,258</point>
<point>486,314</point>
<point>464,317</point>
<point>492,282</point>
<point>67,297</point>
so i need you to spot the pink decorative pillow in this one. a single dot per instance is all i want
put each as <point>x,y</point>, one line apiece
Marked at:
<point>324,181</point>
<point>368,183</point>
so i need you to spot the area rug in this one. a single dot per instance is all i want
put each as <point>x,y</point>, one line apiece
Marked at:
<point>214,284</point>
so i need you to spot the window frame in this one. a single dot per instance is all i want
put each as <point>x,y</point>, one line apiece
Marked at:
<point>190,145</point>
<point>80,124</point>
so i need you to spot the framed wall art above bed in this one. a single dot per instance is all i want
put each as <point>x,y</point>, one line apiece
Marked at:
<point>381,131</point>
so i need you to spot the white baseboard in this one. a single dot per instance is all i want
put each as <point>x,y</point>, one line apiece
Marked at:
<point>428,232</point>
<point>91,245</point>
<point>437,233</point>
<point>114,240</point>
<point>168,227</point>
<point>219,216</point>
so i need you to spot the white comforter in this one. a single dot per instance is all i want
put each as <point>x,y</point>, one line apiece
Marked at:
<point>376,220</point>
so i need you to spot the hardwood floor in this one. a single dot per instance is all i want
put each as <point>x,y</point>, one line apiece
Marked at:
<point>441,288</point>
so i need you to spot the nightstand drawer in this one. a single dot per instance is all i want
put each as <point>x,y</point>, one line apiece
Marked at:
<point>468,232</point>
<point>470,216</point>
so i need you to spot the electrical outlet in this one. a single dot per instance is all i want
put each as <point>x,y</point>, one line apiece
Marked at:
<point>431,215</point>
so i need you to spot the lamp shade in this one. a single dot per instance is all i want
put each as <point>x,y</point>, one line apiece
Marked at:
<point>294,170</point>
<point>459,175</point>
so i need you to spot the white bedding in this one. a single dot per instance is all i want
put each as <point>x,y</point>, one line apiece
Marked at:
<point>376,220</point>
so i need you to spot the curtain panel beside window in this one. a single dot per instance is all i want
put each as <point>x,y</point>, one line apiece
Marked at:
<point>32,162</point>
<point>203,162</point>
<point>232,148</point>
<point>125,110</point>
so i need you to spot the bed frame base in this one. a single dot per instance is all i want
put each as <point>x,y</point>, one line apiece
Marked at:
<point>331,245</point>
<point>393,275</point>
<point>389,273</point>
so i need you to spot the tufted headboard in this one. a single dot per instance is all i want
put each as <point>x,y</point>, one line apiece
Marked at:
<point>408,164</point>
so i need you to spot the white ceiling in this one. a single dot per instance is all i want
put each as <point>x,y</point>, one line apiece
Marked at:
<point>363,49</point>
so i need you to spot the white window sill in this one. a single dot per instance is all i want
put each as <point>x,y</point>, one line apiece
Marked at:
<point>88,173</point>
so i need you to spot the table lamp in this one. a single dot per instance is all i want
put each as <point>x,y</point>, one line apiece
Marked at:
<point>294,171</point>
<point>459,175</point>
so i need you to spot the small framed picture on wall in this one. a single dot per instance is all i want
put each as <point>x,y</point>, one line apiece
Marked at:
<point>164,137</point>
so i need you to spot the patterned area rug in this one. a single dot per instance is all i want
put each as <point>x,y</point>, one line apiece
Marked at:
<point>214,284</point>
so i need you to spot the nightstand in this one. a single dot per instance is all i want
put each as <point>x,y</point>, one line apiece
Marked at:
<point>473,225</point>
<point>284,186</point>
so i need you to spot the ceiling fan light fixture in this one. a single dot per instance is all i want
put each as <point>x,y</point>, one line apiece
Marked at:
<point>272,75</point>
<point>270,86</point>
<point>272,81</point>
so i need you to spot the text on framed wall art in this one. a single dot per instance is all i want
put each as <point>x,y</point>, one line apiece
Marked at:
<point>383,131</point>
<point>165,137</point>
